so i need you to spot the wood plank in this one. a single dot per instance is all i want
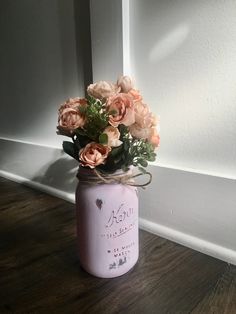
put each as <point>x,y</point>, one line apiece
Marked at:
<point>40,271</point>
<point>222,298</point>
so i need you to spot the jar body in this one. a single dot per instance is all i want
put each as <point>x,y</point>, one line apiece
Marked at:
<point>107,228</point>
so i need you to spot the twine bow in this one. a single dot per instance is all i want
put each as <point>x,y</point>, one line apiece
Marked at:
<point>101,178</point>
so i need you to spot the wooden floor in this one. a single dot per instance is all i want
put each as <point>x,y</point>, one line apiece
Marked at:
<point>40,272</point>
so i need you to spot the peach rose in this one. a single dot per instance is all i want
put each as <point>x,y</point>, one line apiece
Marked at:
<point>154,137</point>
<point>102,90</point>
<point>143,117</point>
<point>149,134</point>
<point>139,132</point>
<point>134,93</point>
<point>125,84</point>
<point>93,154</point>
<point>73,103</point>
<point>123,108</point>
<point>70,117</point>
<point>113,136</point>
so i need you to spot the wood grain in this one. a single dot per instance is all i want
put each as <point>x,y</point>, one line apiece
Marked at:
<point>40,271</point>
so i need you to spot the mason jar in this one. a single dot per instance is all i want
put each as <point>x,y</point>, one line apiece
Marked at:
<point>107,225</point>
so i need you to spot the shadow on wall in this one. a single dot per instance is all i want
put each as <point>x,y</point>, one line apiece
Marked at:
<point>83,39</point>
<point>60,175</point>
<point>45,165</point>
<point>75,44</point>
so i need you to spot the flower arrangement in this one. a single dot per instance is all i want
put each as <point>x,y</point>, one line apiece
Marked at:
<point>112,128</point>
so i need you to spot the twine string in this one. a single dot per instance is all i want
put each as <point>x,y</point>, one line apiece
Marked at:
<point>126,179</point>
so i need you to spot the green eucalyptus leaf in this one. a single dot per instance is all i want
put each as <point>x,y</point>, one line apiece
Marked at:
<point>79,131</point>
<point>151,158</point>
<point>77,145</point>
<point>103,138</point>
<point>125,168</point>
<point>143,162</point>
<point>126,146</point>
<point>117,159</point>
<point>91,99</point>
<point>69,148</point>
<point>116,151</point>
<point>123,130</point>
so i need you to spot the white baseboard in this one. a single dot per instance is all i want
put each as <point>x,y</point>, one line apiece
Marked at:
<point>194,209</point>
<point>195,243</point>
<point>70,197</point>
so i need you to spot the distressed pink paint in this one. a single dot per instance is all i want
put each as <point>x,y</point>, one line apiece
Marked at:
<point>107,228</point>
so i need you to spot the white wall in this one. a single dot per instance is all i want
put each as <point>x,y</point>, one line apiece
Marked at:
<point>184,60</point>
<point>41,65</point>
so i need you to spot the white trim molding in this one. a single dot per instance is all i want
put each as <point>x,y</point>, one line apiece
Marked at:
<point>29,142</point>
<point>110,34</point>
<point>198,171</point>
<point>70,197</point>
<point>106,39</point>
<point>187,240</point>
<point>126,37</point>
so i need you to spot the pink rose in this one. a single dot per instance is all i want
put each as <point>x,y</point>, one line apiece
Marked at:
<point>125,83</point>
<point>70,117</point>
<point>134,93</point>
<point>122,109</point>
<point>143,117</point>
<point>93,154</point>
<point>102,90</point>
<point>113,136</point>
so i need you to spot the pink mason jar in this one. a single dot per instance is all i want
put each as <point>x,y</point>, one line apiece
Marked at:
<point>107,226</point>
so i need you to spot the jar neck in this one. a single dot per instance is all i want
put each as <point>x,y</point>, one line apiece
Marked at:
<point>94,177</point>
<point>90,172</point>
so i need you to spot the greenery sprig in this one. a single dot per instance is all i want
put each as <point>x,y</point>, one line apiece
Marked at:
<point>96,119</point>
